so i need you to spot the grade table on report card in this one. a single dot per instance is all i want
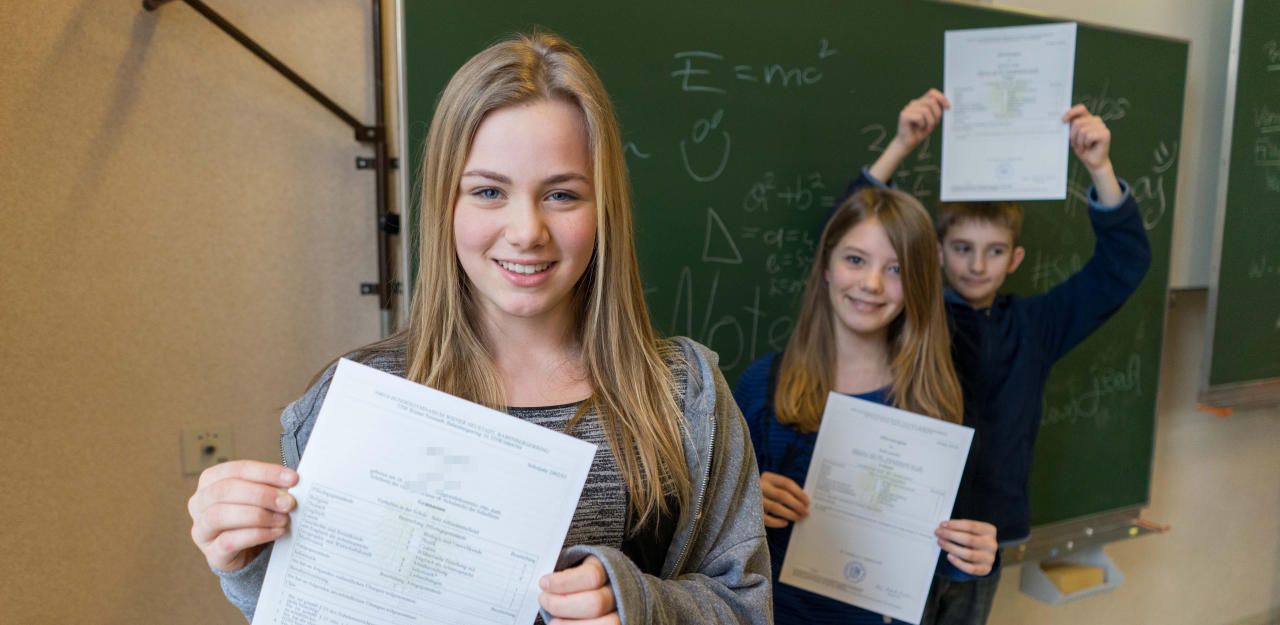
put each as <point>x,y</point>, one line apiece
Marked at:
<point>880,482</point>
<point>418,507</point>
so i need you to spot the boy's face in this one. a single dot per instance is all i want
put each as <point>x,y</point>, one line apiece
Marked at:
<point>976,258</point>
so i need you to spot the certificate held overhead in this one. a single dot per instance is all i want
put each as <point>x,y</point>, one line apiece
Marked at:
<point>415,506</point>
<point>1004,138</point>
<point>880,481</point>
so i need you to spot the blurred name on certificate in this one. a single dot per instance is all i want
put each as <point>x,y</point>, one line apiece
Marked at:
<point>1003,138</point>
<point>880,482</point>
<point>415,506</point>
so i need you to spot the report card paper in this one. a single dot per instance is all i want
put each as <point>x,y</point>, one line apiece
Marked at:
<point>415,506</point>
<point>1003,138</point>
<point>880,482</point>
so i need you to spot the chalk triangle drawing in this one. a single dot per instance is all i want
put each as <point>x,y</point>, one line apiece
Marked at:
<point>715,224</point>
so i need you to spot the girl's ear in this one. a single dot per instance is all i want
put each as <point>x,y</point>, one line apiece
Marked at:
<point>1019,253</point>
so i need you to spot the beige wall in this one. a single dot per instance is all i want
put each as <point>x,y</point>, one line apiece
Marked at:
<point>182,238</point>
<point>182,235</point>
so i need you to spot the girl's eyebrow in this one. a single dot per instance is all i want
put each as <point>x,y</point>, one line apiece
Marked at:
<point>484,173</point>
<point>550,180</point>
<point>566,177</point>
<point>845,249</point>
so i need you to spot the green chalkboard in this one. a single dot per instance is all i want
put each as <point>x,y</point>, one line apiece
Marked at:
<point>1245,293</point>
<point>745,120</point>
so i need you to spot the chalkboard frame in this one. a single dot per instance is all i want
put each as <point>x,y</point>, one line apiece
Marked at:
<point>1264,391</point>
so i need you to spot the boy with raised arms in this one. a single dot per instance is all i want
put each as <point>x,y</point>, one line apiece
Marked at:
<point>1004,346</point>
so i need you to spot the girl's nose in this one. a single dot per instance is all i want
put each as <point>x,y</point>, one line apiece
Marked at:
<point>525,229</point>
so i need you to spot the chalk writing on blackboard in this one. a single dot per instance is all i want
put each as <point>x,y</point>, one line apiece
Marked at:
<point>688,74</point>
<point>918,175</point>
<point>1272,50</point>
<point>1266,146</point>
<point>717,244</point>
<point>1165,155</point>
<point>631,148</point>
<point>1108,107</point>
<point>757,198</point>
<point>880,134</point>
<point>825,50</point>
<point>1148,189</point>
<point>780,237</point>
<point>1266,120</point>
<point>1266,152</point>
<point>703,71</point>
<point>1094,403</point>
<point>918,180</point>
<point>802,191</point>
<point>1263,266</point>
<point>922,153</point>
<point>1049,270</point>
<point>734,340</point>
<point>701,130</point>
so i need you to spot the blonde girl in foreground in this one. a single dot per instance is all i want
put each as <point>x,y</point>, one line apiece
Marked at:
<point>528,300</point>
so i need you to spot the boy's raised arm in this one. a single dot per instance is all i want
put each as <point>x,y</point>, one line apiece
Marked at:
<point>1091,141</point>
<point>916,122</point>
<point>1074,309</point>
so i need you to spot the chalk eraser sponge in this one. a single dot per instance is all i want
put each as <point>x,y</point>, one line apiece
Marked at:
<point>1072,578</point>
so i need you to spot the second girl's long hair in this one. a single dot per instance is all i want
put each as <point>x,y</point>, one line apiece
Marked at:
<point>633,390</point>
<point>924,378</point>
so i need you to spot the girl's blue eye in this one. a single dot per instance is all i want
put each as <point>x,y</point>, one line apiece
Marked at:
<point>487,193</point>
<point>853,259</point>
<point>561,196</point>
<point>895,269</point>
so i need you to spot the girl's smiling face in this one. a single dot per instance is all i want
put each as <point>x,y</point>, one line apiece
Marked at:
<point>864,281</point>
<point>525,218</point>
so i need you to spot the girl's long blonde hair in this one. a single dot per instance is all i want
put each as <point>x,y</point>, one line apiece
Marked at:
<point>633,389</point>
<point>924,378</point>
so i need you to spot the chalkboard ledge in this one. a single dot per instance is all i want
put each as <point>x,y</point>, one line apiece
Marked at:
<point>1243,396</point>
<point>1059,540</point>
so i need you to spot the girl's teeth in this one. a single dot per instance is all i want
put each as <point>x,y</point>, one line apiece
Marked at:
<point>524,269</point>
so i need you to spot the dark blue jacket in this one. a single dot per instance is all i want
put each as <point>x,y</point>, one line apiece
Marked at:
<point>1004,354</point>
<point>787,451</point>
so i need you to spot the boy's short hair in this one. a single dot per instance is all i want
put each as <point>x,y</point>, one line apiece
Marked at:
<point>1006,214</point>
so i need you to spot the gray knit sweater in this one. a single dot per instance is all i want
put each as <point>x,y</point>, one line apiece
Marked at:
<point>716,568</point>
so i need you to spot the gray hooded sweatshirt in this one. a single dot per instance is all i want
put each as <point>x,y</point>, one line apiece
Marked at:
<point>716,568</point>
